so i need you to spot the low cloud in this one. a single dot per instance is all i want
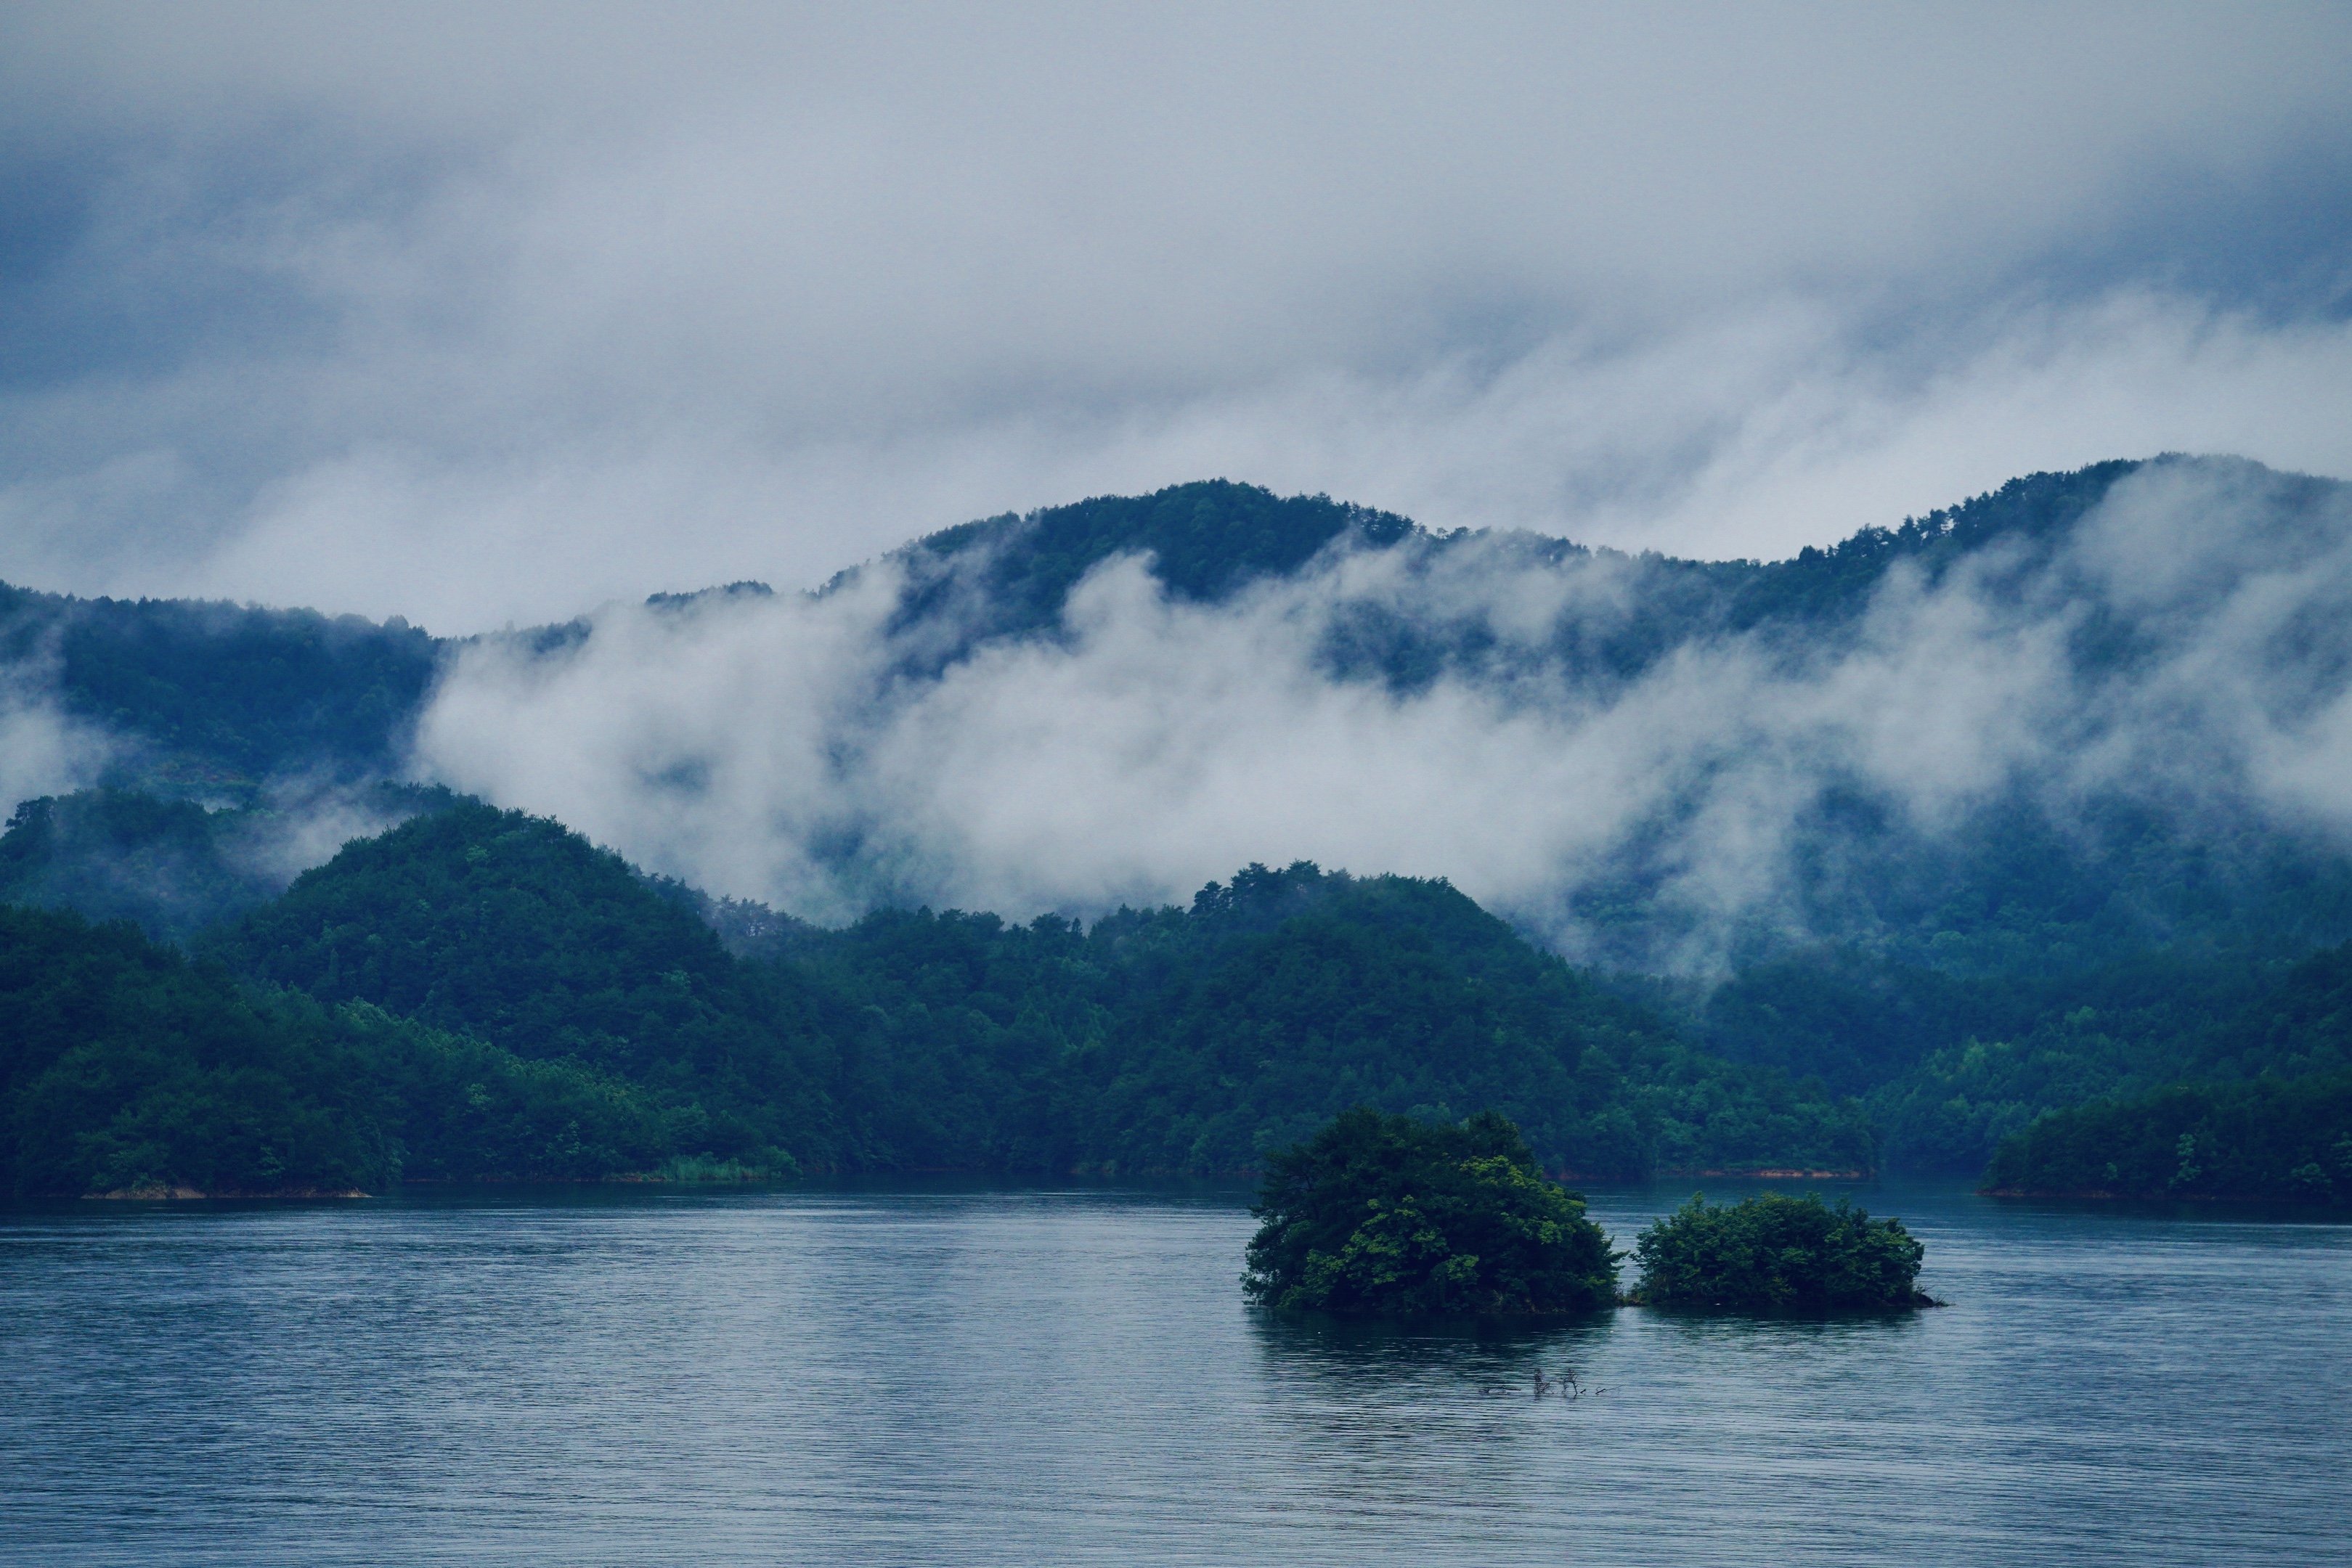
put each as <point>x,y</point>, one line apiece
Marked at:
<point>777,748</point>
<point>43,749</point>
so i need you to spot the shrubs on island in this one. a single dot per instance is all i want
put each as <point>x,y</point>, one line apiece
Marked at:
<point>1774,1252</point>
<point>1387,1216</point>
<point>1392,1217</point>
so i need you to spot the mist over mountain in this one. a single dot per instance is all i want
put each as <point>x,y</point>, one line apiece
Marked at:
<point>2088,710</point>
<point>2078,715</point>
<point>1875,854</point>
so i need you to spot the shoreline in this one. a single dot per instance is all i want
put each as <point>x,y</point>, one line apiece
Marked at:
<point>2103,1195</point>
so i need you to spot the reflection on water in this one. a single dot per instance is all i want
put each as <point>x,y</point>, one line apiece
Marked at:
<point>956,1371</point>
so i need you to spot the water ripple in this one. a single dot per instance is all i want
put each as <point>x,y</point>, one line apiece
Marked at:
<point>949,1373</point>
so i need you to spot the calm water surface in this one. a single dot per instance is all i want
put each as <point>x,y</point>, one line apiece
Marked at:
<point>951,1374</point>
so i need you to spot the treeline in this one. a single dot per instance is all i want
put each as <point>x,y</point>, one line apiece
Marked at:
<point>2272,1138</point>
<point>1950,1065</point>
<point>480,993</point>
<point>2269,1116</point>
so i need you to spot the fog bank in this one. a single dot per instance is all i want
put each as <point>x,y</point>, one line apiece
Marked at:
<point>2187,645</point>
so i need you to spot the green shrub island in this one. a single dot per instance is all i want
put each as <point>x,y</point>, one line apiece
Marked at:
<point>1772,1251</point>
<point>1394,1216</point>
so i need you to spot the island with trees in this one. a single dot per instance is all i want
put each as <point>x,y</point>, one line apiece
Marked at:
<point>1395,1216</point>
<point>1773,1252</point>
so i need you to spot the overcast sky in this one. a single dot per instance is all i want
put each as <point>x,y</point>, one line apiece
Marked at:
<point>486,313</point>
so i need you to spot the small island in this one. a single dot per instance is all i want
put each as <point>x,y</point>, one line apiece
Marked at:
<point>1772,1252</point>
<point>1387,1216</point>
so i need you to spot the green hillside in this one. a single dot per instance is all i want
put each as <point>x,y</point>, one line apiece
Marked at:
<point>511,930</point>
<point>127,1070</point>
<point>172,866</point>
<point>2287,1140</point>
<point>1200,1039</point>
<point>480,993</point>
<point>122,1067</point>
<point>214,700</point>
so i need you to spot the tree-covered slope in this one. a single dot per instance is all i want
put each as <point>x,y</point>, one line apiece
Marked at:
<point>491,995</point>
<point>120,854</point>
<point>2277,1138</point>
<point>510,929</point>
<point>124,1067</point>
<point>173,866</point>
<point>1950,1066</point>
<point>1013,574</point>
<point>1199,1038</point>
<point>2256,1077</point>
<point>214,699</point>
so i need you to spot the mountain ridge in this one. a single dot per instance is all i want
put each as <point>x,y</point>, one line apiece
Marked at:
<point>216,701</point>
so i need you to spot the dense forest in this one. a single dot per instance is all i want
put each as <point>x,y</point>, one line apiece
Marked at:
<point>130,1070</point>
<point>463,992</point>
<point>215,700</point>
<point>2255,1104</point>
<point>481,993</point>
<point>2270,1138</point>
<point>172,866</point>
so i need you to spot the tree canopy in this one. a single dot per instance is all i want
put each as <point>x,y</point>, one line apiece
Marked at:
<point>1774,1251</point>
<point>1392,1215</point>
<point>124,1067</point>
<point>2287,1139</point>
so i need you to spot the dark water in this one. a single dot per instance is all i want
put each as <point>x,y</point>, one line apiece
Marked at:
<point>946,1374</point>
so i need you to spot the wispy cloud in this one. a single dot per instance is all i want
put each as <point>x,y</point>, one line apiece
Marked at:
<point>774,749</point>
<point>44,750</point>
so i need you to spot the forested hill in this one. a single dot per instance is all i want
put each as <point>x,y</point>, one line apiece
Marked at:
<point>1199,1038</point>
<point>481,993</point>
<point>1013,574</point>
<point>172,866</point>
<point>212,701</point>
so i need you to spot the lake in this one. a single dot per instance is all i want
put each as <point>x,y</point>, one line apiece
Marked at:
<point>945,1372</point>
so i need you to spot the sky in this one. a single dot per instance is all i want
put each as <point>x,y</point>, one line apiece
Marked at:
<point>484,315</point>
